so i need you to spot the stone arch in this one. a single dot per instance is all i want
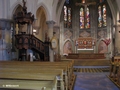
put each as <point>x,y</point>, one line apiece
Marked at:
<point>41,22</point>
<point>101,46</point>
<point>47,13</point>
<point>54,8</point>
<point>18,8</point>
<point>14,7</point>
<point>59,9</point>
<point>67,47</point>
<point>113,11</point>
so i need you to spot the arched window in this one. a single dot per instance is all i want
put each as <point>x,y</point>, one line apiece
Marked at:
<point>102,14</point>
<point>87,24</point>
<point>84,16</point>
<point>67,15</point>
<point>82,21</point>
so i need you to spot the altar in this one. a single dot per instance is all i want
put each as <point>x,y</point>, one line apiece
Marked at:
<point>85,45</point>
<point>84,50</point>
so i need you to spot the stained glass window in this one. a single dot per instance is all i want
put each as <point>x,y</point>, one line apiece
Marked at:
<point>99,16</point>
<point>102,14</point>
<point>84,18</point>
<point>67,15</point>
<point>87,24</point>
<point>82,21</point>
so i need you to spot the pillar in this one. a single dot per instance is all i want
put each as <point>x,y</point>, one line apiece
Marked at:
<point>117,39</point>
<point>5,39</point>
<point>56,29</point>
<point>50,35</point>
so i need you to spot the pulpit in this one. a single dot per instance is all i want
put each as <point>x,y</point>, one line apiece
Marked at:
<point>26,40</point>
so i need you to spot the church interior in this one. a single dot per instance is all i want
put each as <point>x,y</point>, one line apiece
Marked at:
<point>59,45</point>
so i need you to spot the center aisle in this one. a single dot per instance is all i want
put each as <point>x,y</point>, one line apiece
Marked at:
<point>93,81</point>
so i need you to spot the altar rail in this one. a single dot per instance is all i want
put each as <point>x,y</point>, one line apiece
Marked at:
<point>86,56</point>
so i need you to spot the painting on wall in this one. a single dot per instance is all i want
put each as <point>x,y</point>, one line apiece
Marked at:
<point>67,48</point>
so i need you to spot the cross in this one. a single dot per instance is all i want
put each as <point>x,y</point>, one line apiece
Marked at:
<point>85,4</point>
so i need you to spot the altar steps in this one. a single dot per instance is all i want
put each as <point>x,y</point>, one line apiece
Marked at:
<point>92,62</point>
<point>92,70</point>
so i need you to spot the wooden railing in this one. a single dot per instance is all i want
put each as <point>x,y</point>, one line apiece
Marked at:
<point>28,41</point>
<point>115,70</point>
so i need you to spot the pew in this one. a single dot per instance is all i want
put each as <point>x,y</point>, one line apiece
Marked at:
<point>10,66</point>
<point>45,69</point>
<point>46,64</point>
<point>26,85</point>
<point>30,75</point>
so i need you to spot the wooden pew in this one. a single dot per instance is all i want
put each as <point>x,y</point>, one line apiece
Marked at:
<point>55,77</point>
<point>26,75</point>
<point>43,71</point>
<point>45,64</point>
<point>26,65</point>
<point>26,84</point>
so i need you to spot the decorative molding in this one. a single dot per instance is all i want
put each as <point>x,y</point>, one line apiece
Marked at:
<point>85,43</point>
<point>50,23</point>
<point>102,34</point>
<point>84,34</point>
<point>67,34</point>
<point>24,17</point>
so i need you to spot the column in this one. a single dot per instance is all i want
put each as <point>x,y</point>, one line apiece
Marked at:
<point>117,39</point>
<point>5,39</point>
<point>56,29</point>
<point>50,35</point>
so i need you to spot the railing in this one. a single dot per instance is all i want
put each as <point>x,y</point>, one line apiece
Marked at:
<point>28,41</point>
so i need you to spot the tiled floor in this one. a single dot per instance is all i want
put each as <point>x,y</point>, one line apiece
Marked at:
<point>93,78</point>
<point>92,69</point>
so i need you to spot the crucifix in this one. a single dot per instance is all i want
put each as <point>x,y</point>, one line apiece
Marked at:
<point>85,4</point>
